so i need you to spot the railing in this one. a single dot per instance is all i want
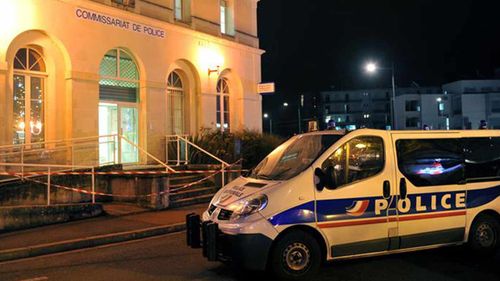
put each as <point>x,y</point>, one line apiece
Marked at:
<point>50,169</point>
<point>94,151</point>
<point>180,146</point>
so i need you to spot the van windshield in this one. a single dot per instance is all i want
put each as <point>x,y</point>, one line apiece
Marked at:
<point>293,156</point>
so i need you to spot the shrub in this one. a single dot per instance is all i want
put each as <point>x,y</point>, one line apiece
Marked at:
<point>253,146</point>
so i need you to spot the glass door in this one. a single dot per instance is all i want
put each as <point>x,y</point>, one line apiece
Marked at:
<point>128,122</point>
<point>108,125</point>
<point>118,119</point>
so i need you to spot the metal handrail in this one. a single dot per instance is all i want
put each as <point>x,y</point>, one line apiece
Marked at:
<point>55,141</point>
<point>167,167</point>
<point>178,138</point>
<point>46,165</point>
<point>72,144</point>
<point>204,151</point>
<point>49,168</point>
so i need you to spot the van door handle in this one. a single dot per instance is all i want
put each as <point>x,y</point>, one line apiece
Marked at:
<point>403,192</point>
<point>387,189</point>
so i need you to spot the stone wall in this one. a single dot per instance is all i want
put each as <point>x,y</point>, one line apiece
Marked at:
<point>14,218</point>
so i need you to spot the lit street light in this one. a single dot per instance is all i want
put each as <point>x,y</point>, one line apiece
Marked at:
<point>285,104</point>
<point>266,116</point>
<point>372,68</point>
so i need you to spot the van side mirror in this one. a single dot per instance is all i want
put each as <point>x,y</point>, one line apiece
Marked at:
<point>319,179</point>
<point>324,179</point>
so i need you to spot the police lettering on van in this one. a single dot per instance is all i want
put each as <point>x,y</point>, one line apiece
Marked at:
<point>396,191</point>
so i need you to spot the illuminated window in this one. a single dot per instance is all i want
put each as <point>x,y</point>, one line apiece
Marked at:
<point>119,77</point>
<point>175,89</point>
<point>182,10</point>
<point>28,99</point>
<point>358,159</point>
<point>222,105</point>
<point>226,17</point>
<point>429,162</point>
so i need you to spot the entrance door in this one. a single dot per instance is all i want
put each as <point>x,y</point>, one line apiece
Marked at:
<point>431,189</point>
<point>115,118</point>
<point>353,213</point>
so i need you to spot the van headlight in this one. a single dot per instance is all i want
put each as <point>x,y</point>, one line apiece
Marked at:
<point>246,207</point>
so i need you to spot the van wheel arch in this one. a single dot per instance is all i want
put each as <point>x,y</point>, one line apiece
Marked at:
<point>308,229</point>
<point>491,213</point>
<point>483,217</point>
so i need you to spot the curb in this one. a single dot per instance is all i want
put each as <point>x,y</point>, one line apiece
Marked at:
<point>88,242</point>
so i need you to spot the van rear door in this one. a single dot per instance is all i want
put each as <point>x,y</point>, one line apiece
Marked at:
<point>431,195</point>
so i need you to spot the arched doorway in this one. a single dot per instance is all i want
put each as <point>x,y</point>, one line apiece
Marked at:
<point>118,107</point>
<point>29,92</point>
<point>222,105</point>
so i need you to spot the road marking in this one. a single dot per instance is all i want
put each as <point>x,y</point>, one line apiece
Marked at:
<point>36,279</point>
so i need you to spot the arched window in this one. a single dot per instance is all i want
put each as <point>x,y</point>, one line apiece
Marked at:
<point>118,110</point>
<point>175,90</point>
<point>29,92</point>
<point>118,73</point>
<point>222,104</point>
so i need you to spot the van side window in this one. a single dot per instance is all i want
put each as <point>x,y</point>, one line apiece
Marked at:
<point>482,158</point>
<point>357,159</point>
<point>427,162</point>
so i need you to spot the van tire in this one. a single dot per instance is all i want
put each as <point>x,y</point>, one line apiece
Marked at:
<point>484,235</point>
<point>296,256</point>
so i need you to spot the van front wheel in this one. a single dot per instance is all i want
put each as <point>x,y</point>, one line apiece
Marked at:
<point>296,256</point>
<point>484,235</point>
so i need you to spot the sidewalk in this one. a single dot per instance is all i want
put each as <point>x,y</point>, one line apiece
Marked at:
<point>93,232</point>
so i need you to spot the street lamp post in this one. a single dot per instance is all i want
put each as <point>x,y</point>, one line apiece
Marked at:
<point>372,67</point>
<point>266,116</point>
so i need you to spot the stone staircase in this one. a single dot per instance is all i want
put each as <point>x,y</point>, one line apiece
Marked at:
<point>196,194</point>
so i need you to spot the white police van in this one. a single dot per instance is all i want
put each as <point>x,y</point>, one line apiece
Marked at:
<point>328,195</point>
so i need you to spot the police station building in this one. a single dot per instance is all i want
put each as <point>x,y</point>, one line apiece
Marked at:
<point>141,68</point>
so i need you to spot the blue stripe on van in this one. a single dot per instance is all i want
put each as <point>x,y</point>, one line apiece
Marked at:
<point>336,209</point>
<point>300,214</point>
<point>479,197</point>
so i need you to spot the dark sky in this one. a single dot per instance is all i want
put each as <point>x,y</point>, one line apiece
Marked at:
<point>313,44</point>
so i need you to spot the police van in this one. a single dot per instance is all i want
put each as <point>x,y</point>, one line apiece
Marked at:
<point>327,195</point>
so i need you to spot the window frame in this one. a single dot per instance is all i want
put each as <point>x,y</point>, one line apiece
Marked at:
<point>174,92</point>
<point>381,171</point>
<point>28,75</point>
<point>477,179</point>
<point>223,102</point>
<point>183,7</point>
<point>461,152</point>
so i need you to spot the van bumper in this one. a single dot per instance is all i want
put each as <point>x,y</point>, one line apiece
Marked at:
<point>246,250</point>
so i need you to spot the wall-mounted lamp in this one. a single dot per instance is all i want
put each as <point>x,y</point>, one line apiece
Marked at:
<point>211,70</point>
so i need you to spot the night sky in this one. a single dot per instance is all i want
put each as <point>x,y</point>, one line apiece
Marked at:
<point>314,45</point>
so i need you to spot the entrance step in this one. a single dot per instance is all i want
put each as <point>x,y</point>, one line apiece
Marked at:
<point>191,201</point>
<point>193,192</point>
<point>123,209</point>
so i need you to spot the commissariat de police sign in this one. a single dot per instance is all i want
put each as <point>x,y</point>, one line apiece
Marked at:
<point>97,17</point>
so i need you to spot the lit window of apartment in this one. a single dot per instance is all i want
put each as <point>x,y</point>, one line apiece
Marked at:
<point>226,17</point>
<point>182,11</point>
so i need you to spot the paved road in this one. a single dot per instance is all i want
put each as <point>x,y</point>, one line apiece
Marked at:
<point>167,258</point>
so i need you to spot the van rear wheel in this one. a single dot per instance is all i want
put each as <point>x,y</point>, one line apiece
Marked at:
<point>484,235</point>
<point>296,256</point>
